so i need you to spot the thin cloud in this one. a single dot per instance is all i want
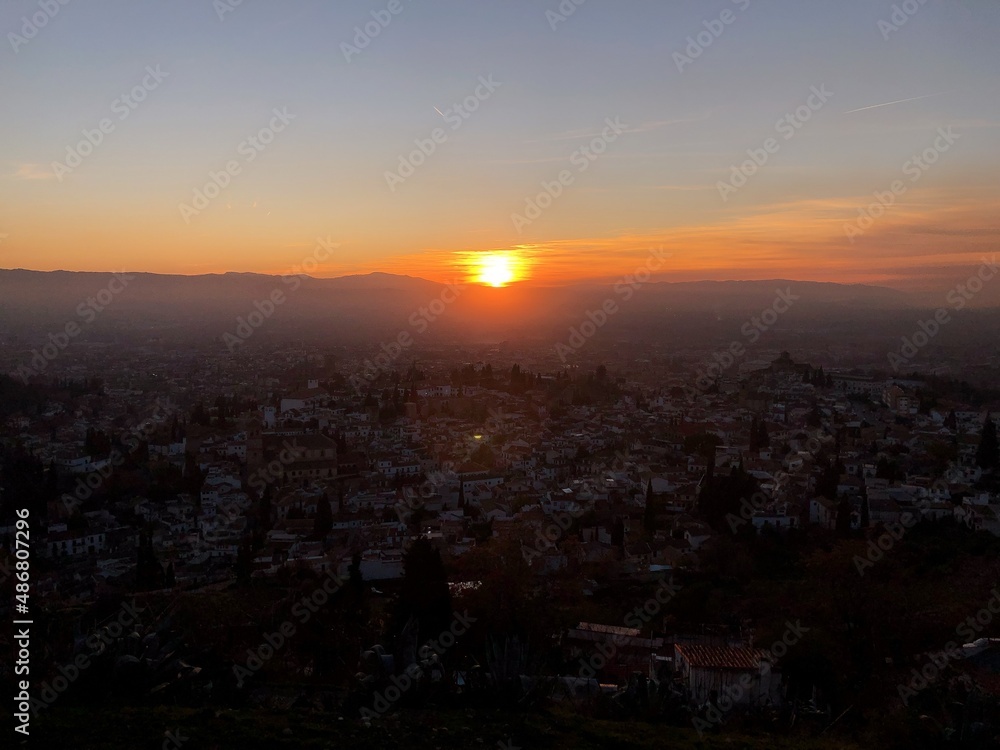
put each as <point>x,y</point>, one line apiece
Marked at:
<point>33,172</point>
<point>678,188</point>
<point>644,127</point>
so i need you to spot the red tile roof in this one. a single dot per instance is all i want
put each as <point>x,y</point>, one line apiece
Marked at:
<point>722,657</point>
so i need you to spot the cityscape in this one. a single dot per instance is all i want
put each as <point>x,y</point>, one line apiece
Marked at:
<point>526,375</point>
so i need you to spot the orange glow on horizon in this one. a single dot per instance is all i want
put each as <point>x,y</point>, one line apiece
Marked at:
<point>796,240</point>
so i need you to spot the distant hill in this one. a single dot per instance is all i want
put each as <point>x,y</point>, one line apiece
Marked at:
<point>379,305</point>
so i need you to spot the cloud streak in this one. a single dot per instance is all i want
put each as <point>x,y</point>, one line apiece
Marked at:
<point>898,101</point>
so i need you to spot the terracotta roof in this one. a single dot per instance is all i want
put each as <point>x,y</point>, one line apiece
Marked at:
<point>723,657</point>
<point>305,393</point>
<point>610,629</point>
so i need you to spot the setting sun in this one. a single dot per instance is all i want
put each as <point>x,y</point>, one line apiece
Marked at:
<point>496,269</point>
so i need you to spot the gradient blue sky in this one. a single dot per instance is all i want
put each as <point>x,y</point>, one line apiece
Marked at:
<point>656,185</point>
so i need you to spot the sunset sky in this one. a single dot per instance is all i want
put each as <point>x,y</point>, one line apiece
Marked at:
<point>554,90</point>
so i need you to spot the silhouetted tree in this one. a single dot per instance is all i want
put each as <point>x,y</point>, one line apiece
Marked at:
<point>988,454</point>
<point>649,514</point>
<point>618,534</point>
<point>324,517</point>
<point>844,511</point>
<point>356,582</point>
<point>723,495</point>
<point>758,435</point>
<point>148,570</point>
<point>886,469</point>
<point>483,455</point>
<point>200,415</point>
<point>703,443</point>
<point>194,477</point>
<point>423,594</point>
<point>244,562</point>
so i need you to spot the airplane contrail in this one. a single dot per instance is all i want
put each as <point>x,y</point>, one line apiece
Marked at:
<point>439,111</point>
<point>899,101</point>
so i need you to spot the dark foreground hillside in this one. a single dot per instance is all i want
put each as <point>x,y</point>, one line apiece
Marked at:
<point>197,729</point>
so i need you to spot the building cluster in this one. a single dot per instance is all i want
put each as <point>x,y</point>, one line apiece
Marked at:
<point>236,469</point>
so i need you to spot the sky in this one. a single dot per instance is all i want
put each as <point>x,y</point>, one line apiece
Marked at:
<point>512,100</point>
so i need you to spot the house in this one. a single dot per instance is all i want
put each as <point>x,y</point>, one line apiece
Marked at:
<point>778,516</point>
<point>884,510</point>
<point>696,534</point>
<point>381,565</point>
<point>856,384</point>
<point>316,458</point>
<point>307,399</point>
<point>73,543</point>
<point>898,401</point>
<point>743,674</point>
<point>823,512</point>
<point>406,467</point>
<point>622,650</point>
